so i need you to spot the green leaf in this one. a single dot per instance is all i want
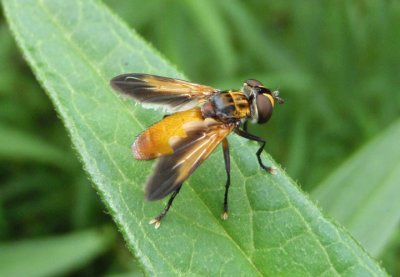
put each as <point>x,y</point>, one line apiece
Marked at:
<point>262,46</point>
<point>19,145</point>
<point>363,194</point>
<point>75,48</point>
<point>53,256</point>
<point>212,26</point>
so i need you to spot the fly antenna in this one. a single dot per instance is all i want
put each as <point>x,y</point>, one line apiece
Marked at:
<point>275,95</point>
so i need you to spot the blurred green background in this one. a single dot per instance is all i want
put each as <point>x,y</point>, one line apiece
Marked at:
<point>336,63</point>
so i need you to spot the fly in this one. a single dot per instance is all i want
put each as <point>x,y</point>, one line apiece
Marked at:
<point>200,118</point>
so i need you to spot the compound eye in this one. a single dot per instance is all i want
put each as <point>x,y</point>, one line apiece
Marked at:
<point>264,108</point>
<point>254,83</point>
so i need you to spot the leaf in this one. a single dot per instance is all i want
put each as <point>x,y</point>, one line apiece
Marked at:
<point>75,48</point>
<point>19,145</point>
<point>250,32</point>
<point>212,26</point>
<point>53,256</point>
<point>366,191</point>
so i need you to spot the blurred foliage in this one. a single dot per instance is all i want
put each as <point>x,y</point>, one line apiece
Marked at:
<point>336,64</point>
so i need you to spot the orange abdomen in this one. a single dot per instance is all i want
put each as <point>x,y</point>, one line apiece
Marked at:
<point>154,142</point>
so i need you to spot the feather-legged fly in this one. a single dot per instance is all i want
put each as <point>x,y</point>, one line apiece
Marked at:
<point>199,118</point>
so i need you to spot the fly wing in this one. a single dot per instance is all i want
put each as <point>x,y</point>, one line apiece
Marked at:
<point>188,153</point>
<point>169,94</point>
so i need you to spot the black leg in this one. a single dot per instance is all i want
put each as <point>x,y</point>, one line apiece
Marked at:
<point>245,126</point>
<point>166,115</point>
<point>259,151</point>
<point>225,147</point>
<point>157,220</point>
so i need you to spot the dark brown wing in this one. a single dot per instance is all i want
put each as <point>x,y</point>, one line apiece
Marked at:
<point>170,94</point>
<point>188,153</point>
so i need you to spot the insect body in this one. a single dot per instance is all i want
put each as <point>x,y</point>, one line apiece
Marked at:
<point>228,106</point>
<point>202,117</point>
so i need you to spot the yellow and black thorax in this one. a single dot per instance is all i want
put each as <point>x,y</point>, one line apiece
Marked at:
<point>227,106</point>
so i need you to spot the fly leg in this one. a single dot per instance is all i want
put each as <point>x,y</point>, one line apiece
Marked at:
<point>249,136</point>
<point>245,126</point>
<point>157,220</point>
<point>225,147</point>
